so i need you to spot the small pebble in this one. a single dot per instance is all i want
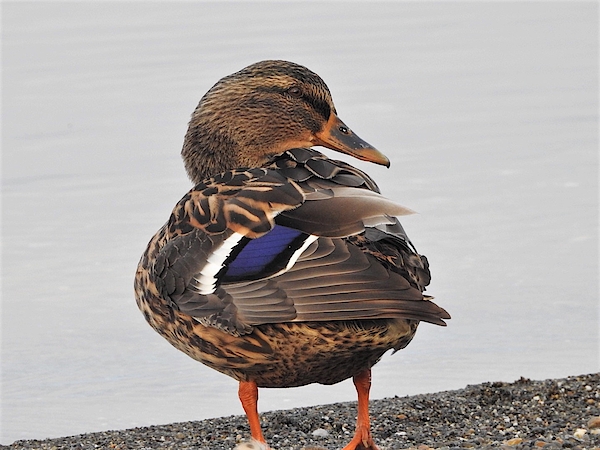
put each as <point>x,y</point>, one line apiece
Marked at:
<point>594,422</point>
<point>251,445</point>
<point>320,432</point>
<point>514,441</point>
<point>579,433</point>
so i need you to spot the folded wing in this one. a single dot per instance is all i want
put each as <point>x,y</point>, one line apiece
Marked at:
<point>306,240</point>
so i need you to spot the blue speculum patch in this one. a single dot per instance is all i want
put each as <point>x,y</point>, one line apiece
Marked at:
<point>265,255</point>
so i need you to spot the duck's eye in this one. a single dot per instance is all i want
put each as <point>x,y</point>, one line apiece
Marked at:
<point>344,130</point>
<point>295,91</point>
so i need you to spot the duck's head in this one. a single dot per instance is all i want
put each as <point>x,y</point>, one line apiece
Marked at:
<point>261,111</point>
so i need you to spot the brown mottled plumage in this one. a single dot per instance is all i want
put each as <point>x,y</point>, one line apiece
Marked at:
<point>282,267</point>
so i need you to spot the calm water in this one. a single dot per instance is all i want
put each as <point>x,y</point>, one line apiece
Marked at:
<point>488,111</point>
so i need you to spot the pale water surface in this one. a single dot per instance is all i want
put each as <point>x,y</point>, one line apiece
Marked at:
<point>488,111</point>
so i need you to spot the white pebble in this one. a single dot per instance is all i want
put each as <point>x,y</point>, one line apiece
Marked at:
<point>579,433</point>
<point>320,432</point>
<point>251,445</point>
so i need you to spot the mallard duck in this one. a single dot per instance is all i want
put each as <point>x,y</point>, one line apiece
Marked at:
<point>282,267</point>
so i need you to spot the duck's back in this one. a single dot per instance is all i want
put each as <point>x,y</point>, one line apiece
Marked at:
<point>294,273</point>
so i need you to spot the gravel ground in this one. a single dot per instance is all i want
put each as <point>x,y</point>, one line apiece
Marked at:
<point>550,414</point>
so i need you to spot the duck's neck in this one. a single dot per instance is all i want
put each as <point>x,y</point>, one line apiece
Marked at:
<point>220,138</point>
<point>206,154</point>
<point>209,151</point>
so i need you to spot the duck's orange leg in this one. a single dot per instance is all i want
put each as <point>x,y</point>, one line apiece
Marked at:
<point>248,394</point>
<point>362,437</point>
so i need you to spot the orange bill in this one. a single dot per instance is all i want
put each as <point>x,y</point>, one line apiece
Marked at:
<point>337,136</point>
